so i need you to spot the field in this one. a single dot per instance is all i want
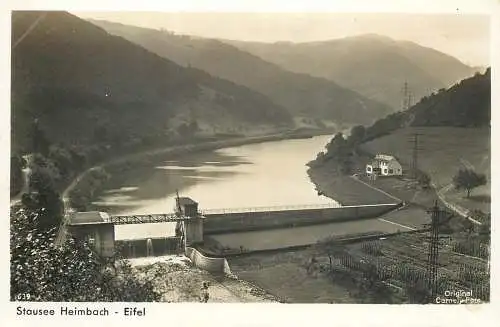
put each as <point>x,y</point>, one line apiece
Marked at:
<point>284,274</point>
<point>442,152</point>
<point>400,260</point>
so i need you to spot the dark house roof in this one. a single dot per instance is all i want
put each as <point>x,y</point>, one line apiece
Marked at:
<point>90,217</point>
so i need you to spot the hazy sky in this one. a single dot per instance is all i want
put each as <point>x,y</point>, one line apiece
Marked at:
<point>464,36</point>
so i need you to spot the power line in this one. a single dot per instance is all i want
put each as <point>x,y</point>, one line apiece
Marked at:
<point>414,159</point>
<point>30,28</point>
<point>410,99</point>
<point>407,97</point>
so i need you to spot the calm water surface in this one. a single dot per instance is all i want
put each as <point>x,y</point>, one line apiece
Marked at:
<point>256,175</point>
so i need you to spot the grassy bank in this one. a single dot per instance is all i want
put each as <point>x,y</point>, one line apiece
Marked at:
<point>344,188</point>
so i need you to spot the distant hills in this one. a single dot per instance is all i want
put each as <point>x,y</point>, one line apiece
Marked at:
<point>303,94</point>
<point>84,86</point>
<point>372,65</point>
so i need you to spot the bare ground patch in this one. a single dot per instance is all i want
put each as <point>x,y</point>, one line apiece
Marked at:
<point>179,281</point>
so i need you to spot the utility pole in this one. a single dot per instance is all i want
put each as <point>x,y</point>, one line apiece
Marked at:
<point>414,159</point>
<point>410,100</point>
<point>437,218</point>
<point>405,96</point>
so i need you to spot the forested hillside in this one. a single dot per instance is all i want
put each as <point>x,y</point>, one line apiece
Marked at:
<point>466,104</point>
<point>86,87</point>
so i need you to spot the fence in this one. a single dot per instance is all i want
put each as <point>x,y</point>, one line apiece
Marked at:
<point>146,219</point>
<point>472,279</point>
<point>269,208</point>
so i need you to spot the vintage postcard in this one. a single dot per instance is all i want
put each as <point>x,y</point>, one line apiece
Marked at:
<point>202,157</point>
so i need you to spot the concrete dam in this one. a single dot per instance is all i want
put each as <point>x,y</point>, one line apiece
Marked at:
<point>207,236</point>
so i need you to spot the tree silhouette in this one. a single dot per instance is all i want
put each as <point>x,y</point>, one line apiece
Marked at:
<point>357,134</point>
<point>329,247</point>
<point>70,273</point>
<point>16,174</point>
<point>468,179</point>
<point>40,142</point>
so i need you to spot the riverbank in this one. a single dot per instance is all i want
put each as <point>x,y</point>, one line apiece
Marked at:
<point>346,189</point>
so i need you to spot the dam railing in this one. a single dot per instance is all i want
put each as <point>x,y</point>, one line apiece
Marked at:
<point>269,208</point>
<point>146,219</point>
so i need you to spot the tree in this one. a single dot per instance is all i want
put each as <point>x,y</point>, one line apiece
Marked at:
<point>16,175</point>
<point>40,142</point>
<point>62,159</point>
<point>193,126</point>
<point>468,179</point>
<point>357,134</point>
<point>423,179</point>
<point>329,247</point>
<point>70,273</point>
<point>43,188</point>
<point>101,134</point>
<point>183,130</point>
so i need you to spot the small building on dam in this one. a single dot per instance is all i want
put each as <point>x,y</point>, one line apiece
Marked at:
<point>95,228</point>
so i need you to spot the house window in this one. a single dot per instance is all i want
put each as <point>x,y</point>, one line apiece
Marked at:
<point>391,171</point>
<point>385,171</point>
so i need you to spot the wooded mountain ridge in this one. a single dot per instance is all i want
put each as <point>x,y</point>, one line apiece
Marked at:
<point>85,86</point>
<point>466,104</point>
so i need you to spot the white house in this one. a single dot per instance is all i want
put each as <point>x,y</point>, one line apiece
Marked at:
<point>384,165</point>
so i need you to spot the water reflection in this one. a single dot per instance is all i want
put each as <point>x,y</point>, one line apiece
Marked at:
<point>266,174</point>
<point>131,191</point>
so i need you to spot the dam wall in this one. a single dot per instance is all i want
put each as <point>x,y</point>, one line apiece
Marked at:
<point>210,264</point>
<point>219,223</point>
<point>138,248</point>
